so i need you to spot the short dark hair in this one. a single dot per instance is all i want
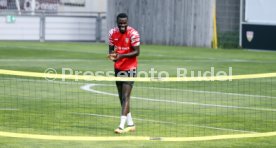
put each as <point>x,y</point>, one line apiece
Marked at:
<point>122,15</point>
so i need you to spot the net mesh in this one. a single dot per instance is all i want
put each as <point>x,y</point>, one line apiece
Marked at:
<point>159,108</point>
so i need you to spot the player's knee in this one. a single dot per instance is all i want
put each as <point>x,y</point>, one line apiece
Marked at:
<point>126,96</point>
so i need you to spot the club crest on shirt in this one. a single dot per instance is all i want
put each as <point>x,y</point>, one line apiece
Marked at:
<point>127,40</point>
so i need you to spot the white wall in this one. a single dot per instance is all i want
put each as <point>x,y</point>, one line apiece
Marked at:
<point>70,28</point>
<point>24,28</point>
<point>56,28</point>
<point>260,11</point>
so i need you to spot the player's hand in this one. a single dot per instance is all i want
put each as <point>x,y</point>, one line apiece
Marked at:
<point>112,56</point>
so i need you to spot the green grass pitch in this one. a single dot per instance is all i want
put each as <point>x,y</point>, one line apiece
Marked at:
<point>160,109</point>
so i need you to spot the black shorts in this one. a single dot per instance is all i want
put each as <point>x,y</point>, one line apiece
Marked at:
<point>125,73</point>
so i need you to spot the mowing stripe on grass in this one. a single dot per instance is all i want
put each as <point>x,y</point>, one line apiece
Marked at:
<point>201,91</point>
<point>166,61</point>
<point>109,116</point>
<point>213,92</point>
<point>158,88</point>
<point>89,87</point>
<point>166,122</point>
<point>8,109</point>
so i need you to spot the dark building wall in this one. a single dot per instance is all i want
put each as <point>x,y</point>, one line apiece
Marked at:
<point>167,22</point>
<point>228,22</point>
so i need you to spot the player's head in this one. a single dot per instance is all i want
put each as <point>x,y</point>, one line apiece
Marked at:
<point>122,22</point>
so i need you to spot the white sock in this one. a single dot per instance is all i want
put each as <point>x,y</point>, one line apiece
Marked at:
<point>123,122</point>
<point>129,119</point>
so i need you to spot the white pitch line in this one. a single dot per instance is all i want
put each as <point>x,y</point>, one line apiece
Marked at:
<point>8,109</point>
<point>44,81</point>
<point>89,86</point>
<point>213,92</point>
<point>48,60</point>
<point>201,91</point>
<point>158,88</point>
<point>165,122</point>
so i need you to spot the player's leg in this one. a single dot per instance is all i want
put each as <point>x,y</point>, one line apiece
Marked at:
<point>127,88</point>
<point>123,118</point>
<point>126,91</point>
<point>119,86</point>
<point>125,113</point>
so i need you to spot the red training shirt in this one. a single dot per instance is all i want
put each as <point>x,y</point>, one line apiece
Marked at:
<point>124,43</point>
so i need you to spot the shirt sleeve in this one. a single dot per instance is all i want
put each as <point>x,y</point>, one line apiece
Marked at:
<point>135,38</point>
<point>110,38</point>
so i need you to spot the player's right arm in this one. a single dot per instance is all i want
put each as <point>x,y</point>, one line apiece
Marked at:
<point>111,49</point>
<point>111,53</point>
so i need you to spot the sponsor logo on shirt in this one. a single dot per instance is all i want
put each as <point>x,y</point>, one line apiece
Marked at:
<point>121,48</point>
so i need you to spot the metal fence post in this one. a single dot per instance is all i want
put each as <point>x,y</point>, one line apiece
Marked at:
<point>42,27</point>
<point>98,27</point>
